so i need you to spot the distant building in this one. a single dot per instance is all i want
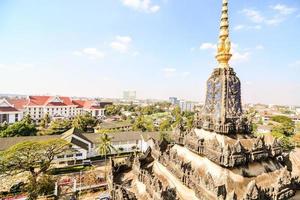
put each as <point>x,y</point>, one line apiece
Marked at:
<point>187,106</point>
<point>9,113</point>
<point>114,126</point>
<point>174,100</point>
<point>57,107</point>
<point>129,95</point>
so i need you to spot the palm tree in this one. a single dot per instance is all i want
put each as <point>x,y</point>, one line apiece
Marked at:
<point>105,147</point>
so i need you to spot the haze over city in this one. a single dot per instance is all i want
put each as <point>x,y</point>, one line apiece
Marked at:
<point>154,47</point>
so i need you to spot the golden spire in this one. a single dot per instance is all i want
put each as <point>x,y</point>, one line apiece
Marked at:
<point>224,45</point>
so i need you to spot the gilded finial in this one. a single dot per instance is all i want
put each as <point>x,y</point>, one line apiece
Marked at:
<point>224,45</point>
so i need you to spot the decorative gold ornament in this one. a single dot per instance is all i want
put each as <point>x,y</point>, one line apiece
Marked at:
<point>224,45</point>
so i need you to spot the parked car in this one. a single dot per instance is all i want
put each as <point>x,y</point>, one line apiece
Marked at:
<point>87,163</point>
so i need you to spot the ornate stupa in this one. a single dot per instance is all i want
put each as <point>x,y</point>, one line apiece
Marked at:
<point>218,159</point>
<point>223,112</point>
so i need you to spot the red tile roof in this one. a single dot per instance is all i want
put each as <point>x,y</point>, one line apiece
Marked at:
<point>18,103</point>
<point>46,101</point>
<point>38,100</point>
<point>88,104</point>
<point>8,109</point>
<point>79,103</point>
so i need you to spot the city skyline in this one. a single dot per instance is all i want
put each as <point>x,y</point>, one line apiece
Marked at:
<point>157,48</point>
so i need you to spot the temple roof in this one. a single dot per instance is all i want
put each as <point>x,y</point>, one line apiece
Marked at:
<point>234,181</point>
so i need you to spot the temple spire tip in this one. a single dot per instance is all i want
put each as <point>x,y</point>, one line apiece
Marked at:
<point>224,45</point>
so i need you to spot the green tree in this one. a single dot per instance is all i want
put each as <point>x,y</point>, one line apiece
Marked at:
<point>105,148</point>
<point>165,136</point>
<point>176,113</point>
<point>22,128</point>
<point>45,185</point>
<point>285,141</point>
<point>59,126</point>
<point>112,110</point>
<point>286,126</point>
<point>27,119</point>
<point>282,119</point>
<point>143,124</point>
<point>285,129</point>
<point>3,126</point>
<point>32,157</point>
<point>84,122</point>
<point>45,121</point>
<point>190,122</point>
<point>165,125</point>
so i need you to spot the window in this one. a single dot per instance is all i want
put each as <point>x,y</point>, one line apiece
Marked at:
<point>61,156</point>
<point>69,155</point>
<point>16,117</point>
<point>78,154</point>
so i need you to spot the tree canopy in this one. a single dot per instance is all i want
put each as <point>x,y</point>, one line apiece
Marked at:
<point>84,122</point>
<point>24,127</point>
<point>32,157</point>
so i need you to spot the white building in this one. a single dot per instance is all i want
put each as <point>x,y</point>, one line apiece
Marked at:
<point>187,106</point>
<point>57,107</point>
<point>129,95</point>
<point>9,113</point>
<point>174,100</point>
<point>83,146</point>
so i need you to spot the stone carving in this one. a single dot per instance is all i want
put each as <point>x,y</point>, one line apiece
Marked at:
<point>253,192</point>
<point>222,112</point>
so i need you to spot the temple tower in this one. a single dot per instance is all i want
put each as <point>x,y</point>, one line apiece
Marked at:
<point>222,112</point>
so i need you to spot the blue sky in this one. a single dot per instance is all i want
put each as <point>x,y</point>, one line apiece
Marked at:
<point>159,48</point>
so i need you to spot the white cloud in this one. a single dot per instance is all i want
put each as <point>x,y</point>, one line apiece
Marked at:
<point>91,53</point>
<point>141,5</point>
<point>246,27</point>
<point>240,56</point>
<point>207,45</point>
<point>121,44</point>
<point>283,9</point>
<point>124,39</point>
<point>253,15</point>
<point>274,21</point>
<point>239,27</point>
